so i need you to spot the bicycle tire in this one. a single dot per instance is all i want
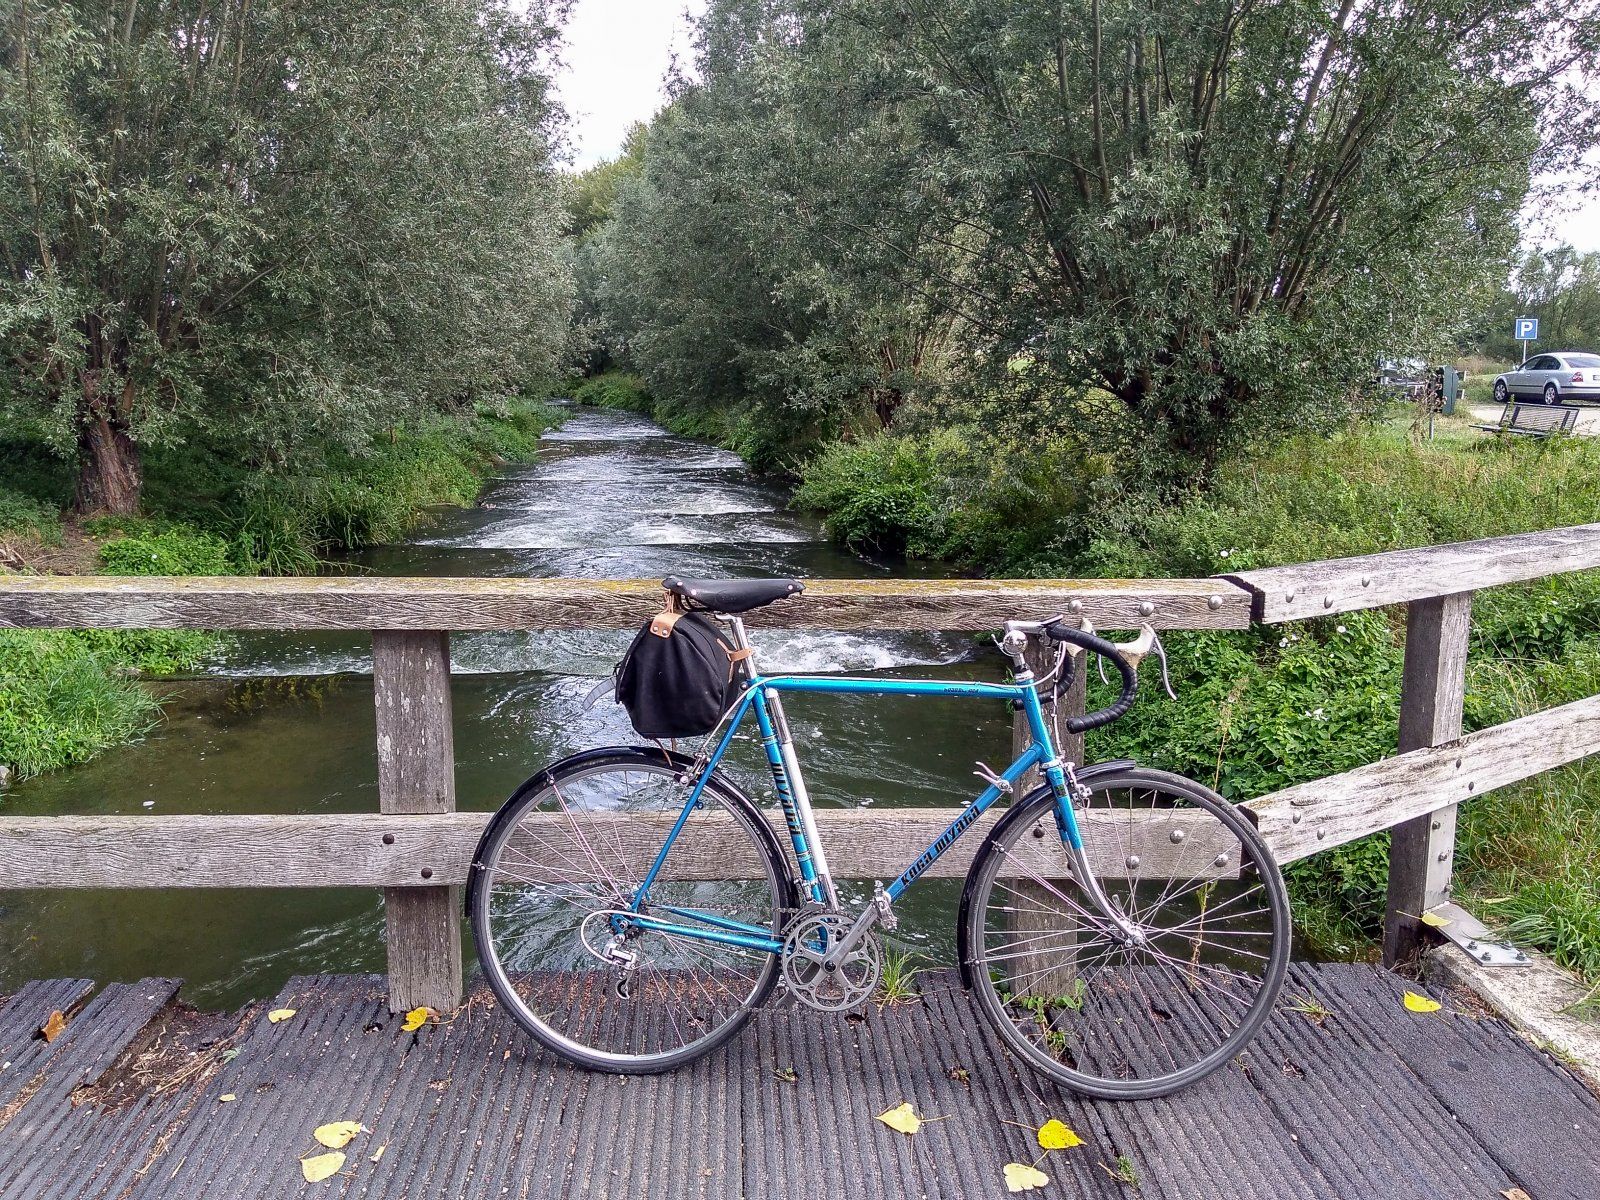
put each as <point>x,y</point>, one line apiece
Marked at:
<point>550,979</point>
<point>1083,1008</point>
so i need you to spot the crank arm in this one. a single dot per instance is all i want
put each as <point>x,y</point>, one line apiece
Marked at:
<point>846,945</point>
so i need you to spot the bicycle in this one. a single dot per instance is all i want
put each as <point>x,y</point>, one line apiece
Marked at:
<point>1125,930</point>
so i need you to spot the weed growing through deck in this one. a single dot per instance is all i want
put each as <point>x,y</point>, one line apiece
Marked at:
<point>1309,1007</point>
<point>896,985</point>
<point>1124,1172</point>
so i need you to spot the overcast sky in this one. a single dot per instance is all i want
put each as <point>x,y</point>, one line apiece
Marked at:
<point>617,56</point>
<point>618,53</point>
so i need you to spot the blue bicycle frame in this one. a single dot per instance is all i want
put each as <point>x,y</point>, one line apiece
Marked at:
<point>761,696</point>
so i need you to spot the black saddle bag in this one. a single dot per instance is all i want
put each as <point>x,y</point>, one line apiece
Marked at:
<point>678,676</point>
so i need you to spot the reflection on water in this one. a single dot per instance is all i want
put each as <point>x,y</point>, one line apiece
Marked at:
<point>283,723</point>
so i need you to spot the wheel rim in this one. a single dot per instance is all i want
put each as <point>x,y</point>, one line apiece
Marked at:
<point>553,942</point>
<point>1500,392</point>
<point>1550,393</point>
<point>1114,1017</point>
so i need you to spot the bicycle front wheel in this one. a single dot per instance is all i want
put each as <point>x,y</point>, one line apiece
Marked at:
<point>1146,1006</point>
<point>608,983</point>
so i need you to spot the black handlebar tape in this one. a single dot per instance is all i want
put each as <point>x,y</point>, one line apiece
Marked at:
<point>1068,672</point>
<point>1130,680</point>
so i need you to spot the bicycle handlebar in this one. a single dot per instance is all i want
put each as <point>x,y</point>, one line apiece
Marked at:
<point>1061,632</point>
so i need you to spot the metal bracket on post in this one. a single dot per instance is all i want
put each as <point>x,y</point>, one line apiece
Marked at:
<point>1460,927</point>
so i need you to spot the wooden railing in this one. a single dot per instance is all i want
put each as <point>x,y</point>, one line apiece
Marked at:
<point>418,849</point>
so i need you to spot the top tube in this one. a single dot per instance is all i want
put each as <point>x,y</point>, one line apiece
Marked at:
<point>866,685</point>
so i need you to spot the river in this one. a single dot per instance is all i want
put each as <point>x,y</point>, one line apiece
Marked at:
<point>283,723</point>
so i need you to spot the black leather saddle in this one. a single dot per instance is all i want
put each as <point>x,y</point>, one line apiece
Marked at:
<point>731,595</point>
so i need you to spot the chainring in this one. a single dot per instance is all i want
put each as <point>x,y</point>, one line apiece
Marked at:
<point>829,988</point>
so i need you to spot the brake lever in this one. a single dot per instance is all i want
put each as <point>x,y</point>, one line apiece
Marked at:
<point>1142,647</point>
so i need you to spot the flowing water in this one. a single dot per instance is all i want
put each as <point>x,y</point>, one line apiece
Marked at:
<point>283,723</point>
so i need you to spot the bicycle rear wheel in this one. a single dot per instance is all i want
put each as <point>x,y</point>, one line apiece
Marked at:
<point>552,896</point>
<point>1108,1014</point>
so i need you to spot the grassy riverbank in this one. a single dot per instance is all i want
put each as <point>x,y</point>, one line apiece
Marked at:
<point>1265,709</point>
<point>66,695</point>
<point>1272,707</point>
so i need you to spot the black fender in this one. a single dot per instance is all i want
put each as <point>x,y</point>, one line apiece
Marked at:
<point>717,783</point>
<point>1013,815</point>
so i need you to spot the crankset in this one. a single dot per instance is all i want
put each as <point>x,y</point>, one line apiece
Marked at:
<point>819,983</point>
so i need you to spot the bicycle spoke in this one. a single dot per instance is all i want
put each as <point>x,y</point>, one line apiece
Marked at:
<point>590,982</point>
<point>1139,1008</point>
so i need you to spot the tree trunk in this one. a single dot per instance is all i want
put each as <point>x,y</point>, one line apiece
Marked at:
<point>109,472</point>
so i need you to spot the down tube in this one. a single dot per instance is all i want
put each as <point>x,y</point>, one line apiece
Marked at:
<point>1029,759</point>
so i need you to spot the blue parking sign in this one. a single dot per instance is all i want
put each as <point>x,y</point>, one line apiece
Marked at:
<point>1526,329</point>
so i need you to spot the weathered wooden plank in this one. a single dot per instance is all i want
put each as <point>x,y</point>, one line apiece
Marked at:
<point>96,602</point>
<point>1324,813</point>
<point>1422,849</point>
<point>1339,585</point>
<point>428,851</point>
<point>416,774</point>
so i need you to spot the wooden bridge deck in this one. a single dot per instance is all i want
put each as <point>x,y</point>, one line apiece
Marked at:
<point>1371,1100</point>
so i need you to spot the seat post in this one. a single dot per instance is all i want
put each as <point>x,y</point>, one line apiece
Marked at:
<point>741,641</point>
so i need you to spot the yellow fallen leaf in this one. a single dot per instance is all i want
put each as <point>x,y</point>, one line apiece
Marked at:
<point>1516,1193</point>
<point>1053,1135</point>
<point>1434,920</point>
<point>1020,1177</point>
<point>417,1018</point>
<point>321,1166</point>
<point>902,1117</point>
<point>1420,1004</point>
<point>280,1014</point>
<point>378,1153</point>
<point>337,1134</point>
<point>226,1098</point>
<point>53,1026</point>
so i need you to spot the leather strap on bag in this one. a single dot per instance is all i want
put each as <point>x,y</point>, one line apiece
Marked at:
<point>661,624</point>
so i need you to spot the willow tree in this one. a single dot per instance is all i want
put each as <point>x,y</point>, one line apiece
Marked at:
<point>1177,225</point>
<point>269,223</point>
<point>730,272</point>
<point>1221,212</point>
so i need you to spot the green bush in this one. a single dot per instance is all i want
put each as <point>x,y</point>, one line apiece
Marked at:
<point>23,516</point>
<point>948,494</point>
<point>614,389</point>
<point>61,703</point>
<point>883,492</point>
<point>174,551</point>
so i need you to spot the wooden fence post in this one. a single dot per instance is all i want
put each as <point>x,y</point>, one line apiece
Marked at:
<point>1046,973</point>
<point>1041,656</point>
<point>416,774</point>
<point>1422,850</point>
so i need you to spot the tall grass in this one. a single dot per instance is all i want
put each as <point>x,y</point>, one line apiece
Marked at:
<point>1267,708</point>
<point>26,517</point>
<point>62,701</point>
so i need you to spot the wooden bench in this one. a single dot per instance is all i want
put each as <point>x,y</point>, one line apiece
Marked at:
<point>1535,420</point>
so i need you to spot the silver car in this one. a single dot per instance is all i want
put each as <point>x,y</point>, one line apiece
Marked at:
<point>1555,378</point>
